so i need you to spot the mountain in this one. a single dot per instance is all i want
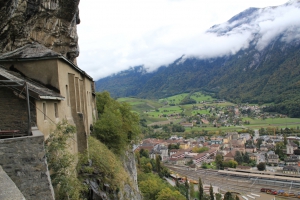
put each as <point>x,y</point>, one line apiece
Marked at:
<point>263,65</point>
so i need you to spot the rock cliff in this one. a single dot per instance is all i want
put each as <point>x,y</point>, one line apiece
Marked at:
<point>48,22</point>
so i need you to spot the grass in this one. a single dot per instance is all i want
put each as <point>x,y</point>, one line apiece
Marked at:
<point>153,111</point>
<point>176,99</point>
<point>199,97</point>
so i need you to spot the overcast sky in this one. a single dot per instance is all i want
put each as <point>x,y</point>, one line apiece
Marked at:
<point>117,34</point>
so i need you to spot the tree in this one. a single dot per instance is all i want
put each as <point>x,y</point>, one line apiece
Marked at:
<point>200,189</point>
<point>144,153</point>
<point>186,184</point>
<point>246,158</point>
<point>192,190</point>
<point>211,192</point>
<point>238,157</point>
<point>157,164</point>
<point>261,166</point>
<point>279,147</point>
<point>284,140</point>
<point>218,196</point>
<point>117,126</point>
<point>168,194</point>
<point>219,160</point>
<point>259,142</point>
<point>228,196</point>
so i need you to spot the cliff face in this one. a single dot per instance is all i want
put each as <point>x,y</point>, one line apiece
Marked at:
<point>131,191</point>
<point>49,22</point>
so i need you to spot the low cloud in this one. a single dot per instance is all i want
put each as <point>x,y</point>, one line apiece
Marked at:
<point>156,40</point>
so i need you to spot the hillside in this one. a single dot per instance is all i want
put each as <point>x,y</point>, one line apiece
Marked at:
<point>265,71</point>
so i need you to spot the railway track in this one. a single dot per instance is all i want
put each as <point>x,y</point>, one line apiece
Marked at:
<point>229,182</point>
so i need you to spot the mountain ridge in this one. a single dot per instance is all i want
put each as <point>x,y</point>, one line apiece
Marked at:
<point>266,70</point>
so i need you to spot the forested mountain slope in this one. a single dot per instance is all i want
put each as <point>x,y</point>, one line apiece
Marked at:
<point>263,71</point>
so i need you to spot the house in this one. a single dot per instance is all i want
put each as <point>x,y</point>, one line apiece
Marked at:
<point>292,160</point>
<point>162,151</point>
<point>200,158</point>
<point>230,155</point>
<point>233,135</point>
<point>238,147</point>
<point>216,141</point>
<point>58,89</point>
<point>290,147</point>
<point>215,147</point>
<point>177,161</point>
<point>263,147</point>
<point>290,170</point>
<point>184,145</point>
<point>250,148</point>
<point>272,159</point>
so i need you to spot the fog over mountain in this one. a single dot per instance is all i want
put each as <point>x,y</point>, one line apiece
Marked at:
<point>255,25</point>
<point>258,26</point>
<point>254,57</point>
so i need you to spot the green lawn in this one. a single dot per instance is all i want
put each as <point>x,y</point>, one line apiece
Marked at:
<point>176,99</point>
<point>199,97</point>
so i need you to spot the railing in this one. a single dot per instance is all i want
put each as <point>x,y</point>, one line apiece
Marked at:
<point>10,134</point>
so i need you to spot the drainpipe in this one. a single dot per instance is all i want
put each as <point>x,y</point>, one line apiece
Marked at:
<point>28,109</point>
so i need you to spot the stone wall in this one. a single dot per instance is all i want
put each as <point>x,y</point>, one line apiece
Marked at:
<point>23,159</point>
<point>9,189</point>
<point>14,114</point>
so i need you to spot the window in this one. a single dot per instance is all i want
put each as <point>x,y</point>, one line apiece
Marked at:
<point>44,111</point>
<point>67,95</point>
<point>55,110</point>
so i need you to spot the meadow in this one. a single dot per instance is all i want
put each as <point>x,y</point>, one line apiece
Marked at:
<point>159,111</point>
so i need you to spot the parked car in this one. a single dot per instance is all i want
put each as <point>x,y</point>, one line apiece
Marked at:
<point>271,191</point>
<point>265,189</point>
<point>280,192</point>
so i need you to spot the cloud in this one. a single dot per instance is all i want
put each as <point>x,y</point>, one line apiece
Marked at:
<point>115,35</point>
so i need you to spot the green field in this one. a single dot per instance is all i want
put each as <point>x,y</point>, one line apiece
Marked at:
<point>157,111</point>
<point>199,97</point>
<point>176,99</point>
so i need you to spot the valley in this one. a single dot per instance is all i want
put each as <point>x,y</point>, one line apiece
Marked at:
<point>200,113</point>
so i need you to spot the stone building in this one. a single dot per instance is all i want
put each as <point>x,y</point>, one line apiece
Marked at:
<point>58,90</point>
<point>38,89</point>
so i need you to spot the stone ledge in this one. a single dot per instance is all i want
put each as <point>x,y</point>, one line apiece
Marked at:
<point>8,191</point>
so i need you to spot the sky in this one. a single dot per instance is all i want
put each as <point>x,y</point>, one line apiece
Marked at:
<point>115,35</point>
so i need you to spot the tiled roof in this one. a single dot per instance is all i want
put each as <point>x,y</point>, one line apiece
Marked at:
<point>36,51</point>
<point>33,50</point>
<point>36,90</point>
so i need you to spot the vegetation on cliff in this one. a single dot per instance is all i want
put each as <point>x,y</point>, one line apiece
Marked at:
<point>113,133</point>
<point>117,127</point>
<point>151,182</point>
<point>62,163</point>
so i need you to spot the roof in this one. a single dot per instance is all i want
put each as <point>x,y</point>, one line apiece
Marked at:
<point>231,154</point>
<point>200,155</point>
<point>36,51</point>
<point>36,90</point>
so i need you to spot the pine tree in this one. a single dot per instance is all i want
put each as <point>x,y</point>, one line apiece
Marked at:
<point>200,188</point>
<point>284,140</point>
<point>157,163</point>
<point>211,193</point>
<point>186,184</point>
<point>192,191</point>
